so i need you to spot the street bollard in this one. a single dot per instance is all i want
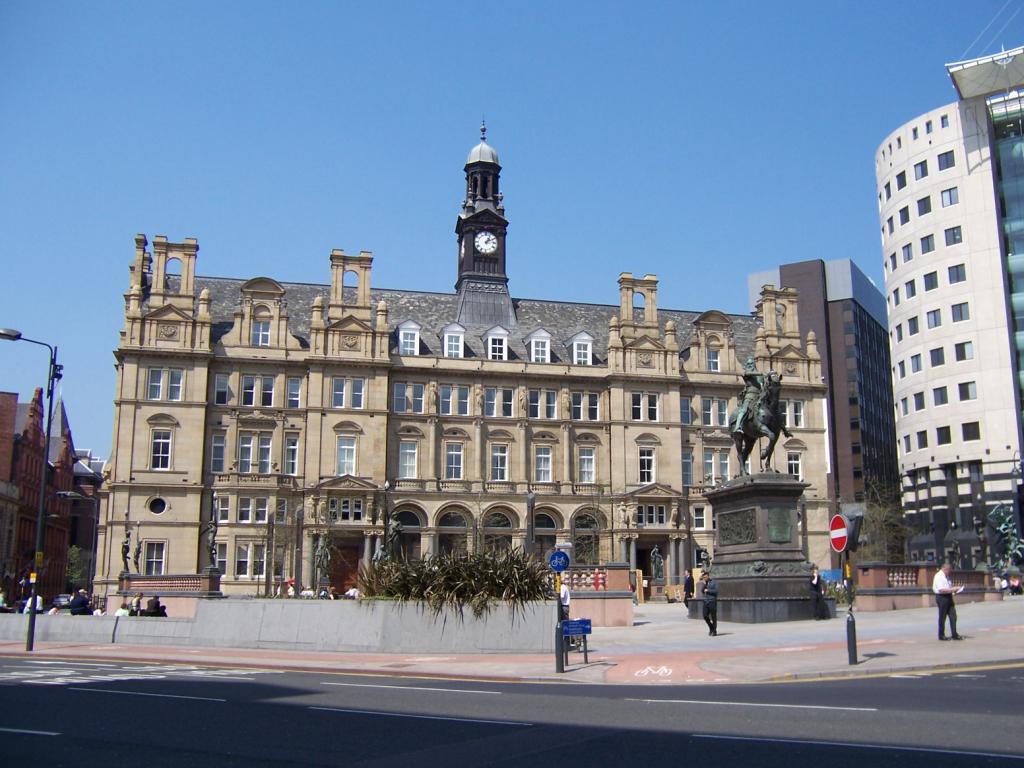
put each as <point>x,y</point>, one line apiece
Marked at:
<point>559,644</point>
<point>851,636</point>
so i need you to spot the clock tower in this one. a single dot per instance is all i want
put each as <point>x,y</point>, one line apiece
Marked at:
<point>482,225</point>
<point>482,285</point>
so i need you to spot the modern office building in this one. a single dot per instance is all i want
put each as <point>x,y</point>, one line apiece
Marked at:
<point>282,420</point>
<point>846,312</point>
<point>951,206</point>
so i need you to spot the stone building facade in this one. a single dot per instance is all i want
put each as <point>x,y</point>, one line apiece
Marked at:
<point>300,418</point>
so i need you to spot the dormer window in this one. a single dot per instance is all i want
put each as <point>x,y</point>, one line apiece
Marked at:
<point>454,339</point>
<point>540,351</point>
<point>582,349</point>
<point>497,343</point>
<point>539,345</point>
<point>713,361</point>
<point>496,348</point>
<point>409,338</point>
<point>260,336</point>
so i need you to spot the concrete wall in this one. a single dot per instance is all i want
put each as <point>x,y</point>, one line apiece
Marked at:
<point>311,625</point>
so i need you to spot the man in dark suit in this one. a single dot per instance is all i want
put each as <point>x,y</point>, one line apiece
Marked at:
<point>710,603</point>
<point>80,604</point>
<point>688,588</point>
<point>153,607</point>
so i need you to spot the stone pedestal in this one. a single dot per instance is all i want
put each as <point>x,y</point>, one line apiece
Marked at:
<point>758,560</point>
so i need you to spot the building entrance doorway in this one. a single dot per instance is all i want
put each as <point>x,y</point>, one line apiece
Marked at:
<point>344,566</point>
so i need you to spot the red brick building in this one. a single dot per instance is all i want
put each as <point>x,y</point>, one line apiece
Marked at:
<point>29,456</point>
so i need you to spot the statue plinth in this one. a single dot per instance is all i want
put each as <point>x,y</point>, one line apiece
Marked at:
<point>759,564</point>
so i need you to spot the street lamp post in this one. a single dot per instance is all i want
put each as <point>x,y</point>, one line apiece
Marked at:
<point>53,376</point>
<point>531,500</point>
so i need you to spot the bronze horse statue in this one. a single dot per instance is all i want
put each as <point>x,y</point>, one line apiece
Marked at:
<point>753,420</point>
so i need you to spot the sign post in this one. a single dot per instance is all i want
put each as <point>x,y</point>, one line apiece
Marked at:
<point>839,538</point>
<point>559,561</point>
<point>838,532</point>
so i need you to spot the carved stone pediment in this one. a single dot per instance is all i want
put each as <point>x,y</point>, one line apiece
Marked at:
<point>346,483</point>
<point>257,420</point>
<point>645,342</point>
<point>168,312</point>
<point>718,434</point>
<point>350,324</point>
<point>657,490</point>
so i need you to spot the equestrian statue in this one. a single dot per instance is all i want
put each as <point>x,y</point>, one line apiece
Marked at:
<point>757,415</point>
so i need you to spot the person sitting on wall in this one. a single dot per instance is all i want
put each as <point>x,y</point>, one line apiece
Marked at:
<point>154,608</point>
<point>1013,584</point>
<point>80,604</point>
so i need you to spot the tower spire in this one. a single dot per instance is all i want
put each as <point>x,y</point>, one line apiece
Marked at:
<point>483,129</point>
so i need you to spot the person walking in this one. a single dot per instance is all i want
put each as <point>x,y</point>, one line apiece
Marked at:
<point>944,591</point>
<point>687,587</point>
<point>818,595</point>
<point>710,603</point>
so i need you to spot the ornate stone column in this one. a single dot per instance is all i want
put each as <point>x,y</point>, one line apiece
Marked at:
<point>309,574</point>
<point>367,547</point>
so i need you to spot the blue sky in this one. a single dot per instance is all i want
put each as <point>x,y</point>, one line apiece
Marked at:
<point>698,142</point>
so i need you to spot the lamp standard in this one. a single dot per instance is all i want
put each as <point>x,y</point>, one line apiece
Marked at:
<point>531,544</point>
<point>53,376</point>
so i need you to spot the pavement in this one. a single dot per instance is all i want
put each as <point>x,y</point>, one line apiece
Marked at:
<point>662,647</point>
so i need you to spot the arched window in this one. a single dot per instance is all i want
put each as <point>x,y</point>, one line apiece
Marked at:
<point>452,540</point>
<point>409,538</point>
<point>544,527</point>
<point>497,531</point>
<point>585,539</point>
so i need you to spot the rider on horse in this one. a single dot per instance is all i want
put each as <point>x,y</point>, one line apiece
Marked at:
<point>753,386</point>
<point>757,415</point>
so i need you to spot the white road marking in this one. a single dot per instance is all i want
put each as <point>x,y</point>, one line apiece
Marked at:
<point>908,677</point>
<point>661,671</point>
<point>754,704</point>
<point>886,747</point>
<point>139,693</point>
<point>420,717</point>
<point>412,688</point>
<point>30,733</point>
<point>975,677</point>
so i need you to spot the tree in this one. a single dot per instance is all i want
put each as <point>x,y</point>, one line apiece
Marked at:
<point>883,534</point>
<point>76,572</point>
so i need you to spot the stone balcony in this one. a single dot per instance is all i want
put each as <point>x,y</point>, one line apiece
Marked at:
<point>254,480</point>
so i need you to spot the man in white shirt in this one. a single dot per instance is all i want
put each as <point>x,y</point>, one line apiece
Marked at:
<point>564,598</point>
<point>944,591</point>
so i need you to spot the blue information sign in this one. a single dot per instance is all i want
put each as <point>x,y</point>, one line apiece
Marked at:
<point>558,561</point>
<point>573,627</point>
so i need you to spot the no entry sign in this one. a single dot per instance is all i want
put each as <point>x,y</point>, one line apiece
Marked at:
<point>838,530</point>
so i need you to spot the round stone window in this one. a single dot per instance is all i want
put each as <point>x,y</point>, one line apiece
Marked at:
<point>157,506</point>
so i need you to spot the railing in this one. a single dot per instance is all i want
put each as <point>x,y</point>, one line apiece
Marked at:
<point>455,485</point>
<point>180,583</point>
<point>410,484</point>
<point>264,481</point>
<point>597,578</point>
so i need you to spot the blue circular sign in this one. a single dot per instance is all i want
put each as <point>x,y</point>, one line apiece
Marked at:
<point>558,561</point>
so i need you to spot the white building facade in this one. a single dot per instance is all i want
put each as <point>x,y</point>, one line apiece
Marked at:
<point>950,193</point>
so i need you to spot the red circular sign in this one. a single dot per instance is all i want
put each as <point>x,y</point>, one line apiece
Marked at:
<point>838,531</point>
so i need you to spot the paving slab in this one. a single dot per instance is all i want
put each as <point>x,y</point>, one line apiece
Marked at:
<point>662,647</point>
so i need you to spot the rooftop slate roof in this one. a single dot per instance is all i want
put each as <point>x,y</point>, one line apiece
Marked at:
<point>434,311</point>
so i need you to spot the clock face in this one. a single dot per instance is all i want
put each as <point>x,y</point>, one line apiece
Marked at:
<point>485,242</point>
